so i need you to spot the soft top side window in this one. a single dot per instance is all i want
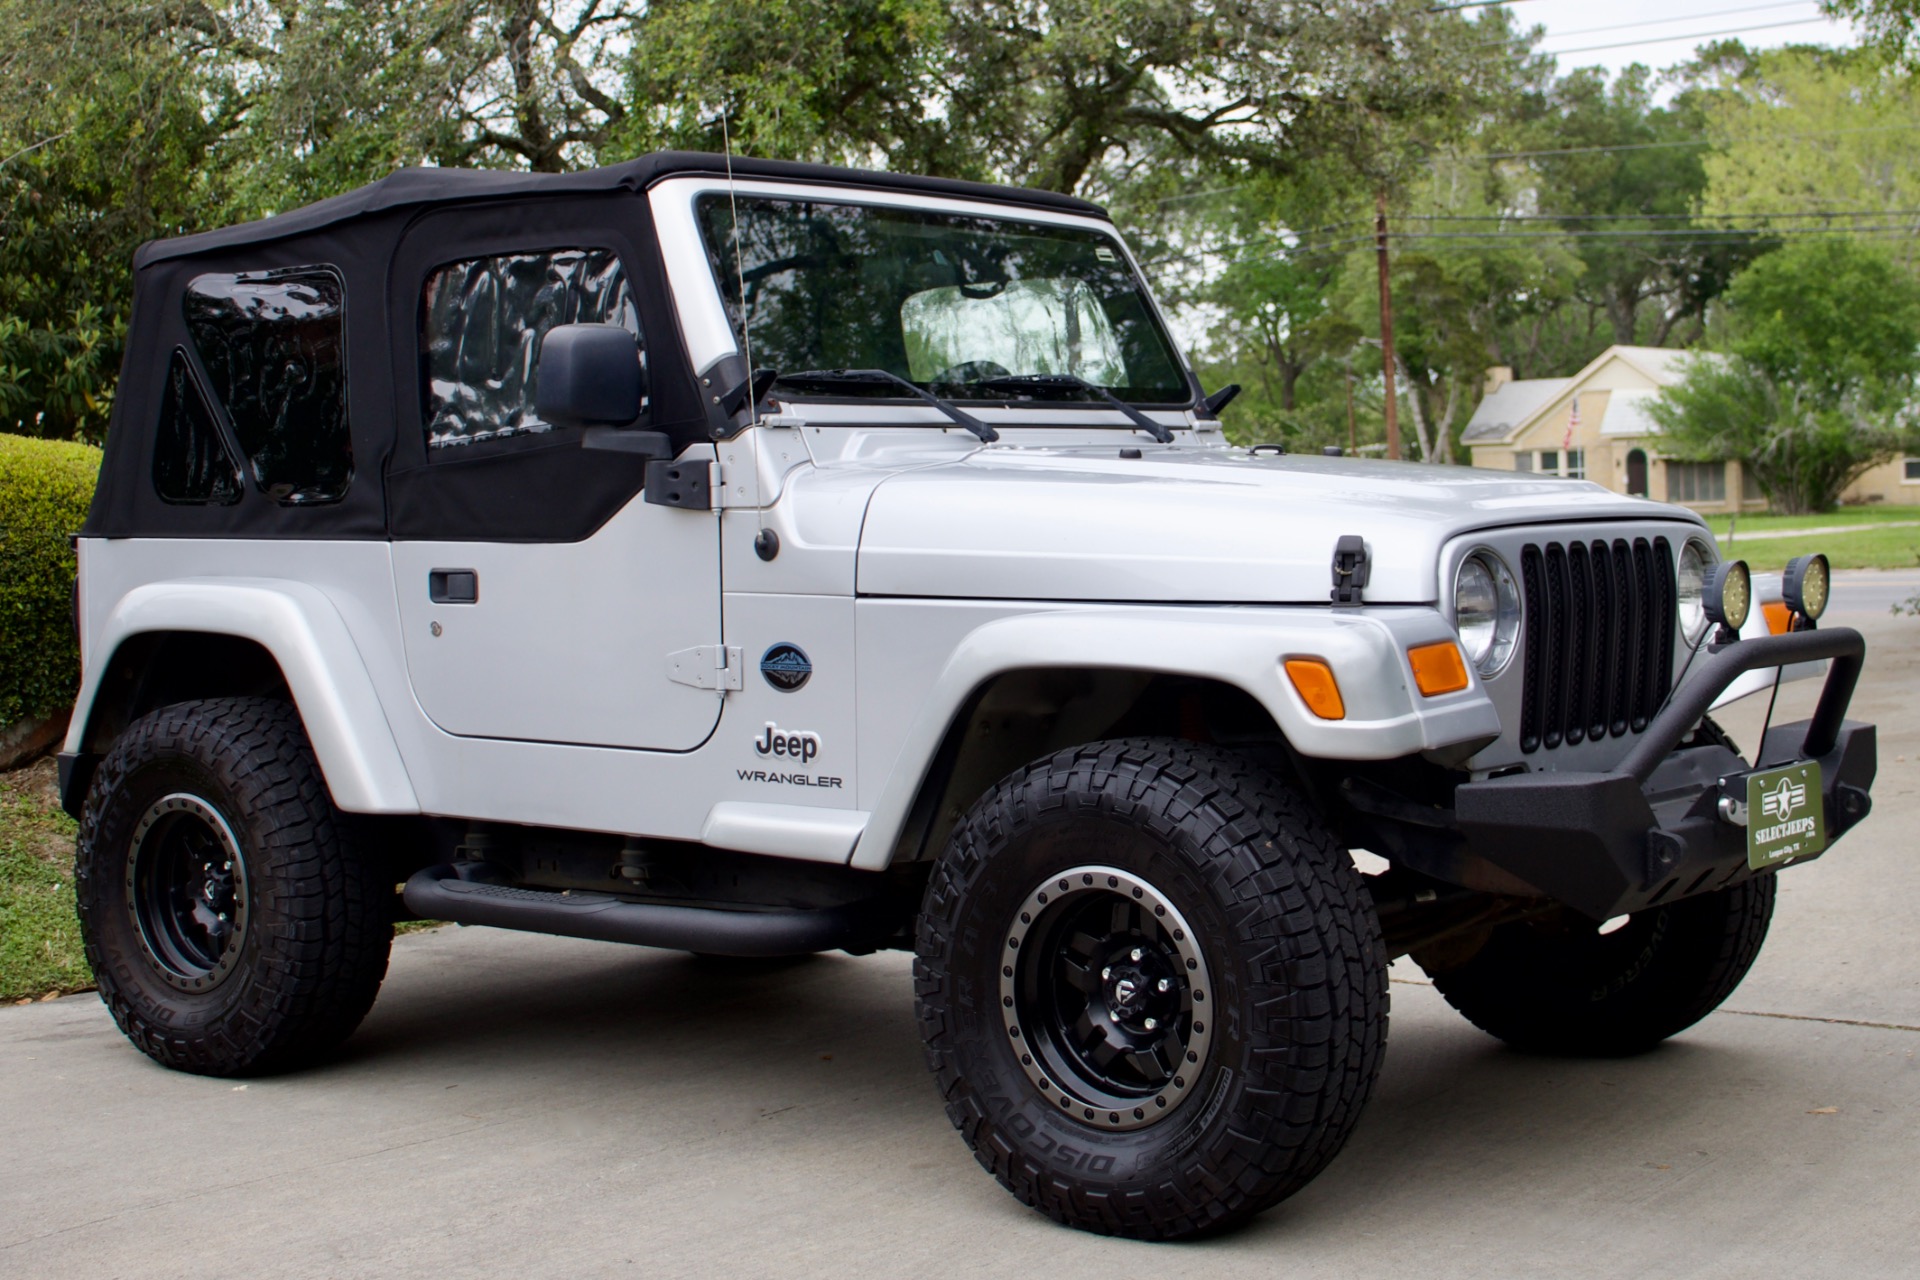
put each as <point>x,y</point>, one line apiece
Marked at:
<point>273,346</point>
<point>482,320</point>
<point>191,462</point>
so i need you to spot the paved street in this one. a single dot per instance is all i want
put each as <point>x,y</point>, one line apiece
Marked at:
<point>532,1106</point>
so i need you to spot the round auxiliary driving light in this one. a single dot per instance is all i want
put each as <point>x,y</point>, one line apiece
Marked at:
<point>1696,562</point>
<point>1806,584</point>
<point>1729,595</point>
<point>1486,611</point>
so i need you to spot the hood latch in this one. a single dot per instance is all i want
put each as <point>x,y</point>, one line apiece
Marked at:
<point>1349,568</point>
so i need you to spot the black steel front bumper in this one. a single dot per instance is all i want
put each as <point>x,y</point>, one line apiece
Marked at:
<point>1650,831</point>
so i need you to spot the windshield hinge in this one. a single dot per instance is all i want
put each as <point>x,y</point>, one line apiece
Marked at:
<point>706,666</point>
<point>1349,568</point>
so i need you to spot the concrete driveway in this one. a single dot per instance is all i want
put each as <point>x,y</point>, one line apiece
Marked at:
<point>523,1106</point>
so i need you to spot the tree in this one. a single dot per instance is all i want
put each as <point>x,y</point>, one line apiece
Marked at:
<point>1618,169</point>
<point>1893,25</point>
<point>1812,388</point>
<point>1811,141</point>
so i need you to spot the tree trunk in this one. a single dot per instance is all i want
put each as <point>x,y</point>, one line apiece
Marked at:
<point>1443,432</point>
<point>1415,388</point>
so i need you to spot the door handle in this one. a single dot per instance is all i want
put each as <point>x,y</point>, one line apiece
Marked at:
<point>453,586</point>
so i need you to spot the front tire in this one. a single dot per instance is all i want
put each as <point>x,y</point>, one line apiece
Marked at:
<point>235,921</point>
<point>1560,986</point>
<point>1152,988</point>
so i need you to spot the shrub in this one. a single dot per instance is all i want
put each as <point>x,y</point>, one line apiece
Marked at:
<point>45,487</point>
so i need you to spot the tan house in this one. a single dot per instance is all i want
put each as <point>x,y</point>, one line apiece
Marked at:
<point>1596,425</point>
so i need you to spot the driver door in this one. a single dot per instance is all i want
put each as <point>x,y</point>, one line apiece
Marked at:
<point>541,597</point>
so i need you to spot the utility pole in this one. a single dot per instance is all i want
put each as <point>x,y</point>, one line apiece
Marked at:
<point>1387,358</point>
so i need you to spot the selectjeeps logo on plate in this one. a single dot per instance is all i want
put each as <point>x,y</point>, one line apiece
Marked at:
<point>785,666</point>
<point>1787,818</point>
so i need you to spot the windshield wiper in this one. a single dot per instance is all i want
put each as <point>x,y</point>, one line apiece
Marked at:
<point>1068,382</point>
<point>880,377</point>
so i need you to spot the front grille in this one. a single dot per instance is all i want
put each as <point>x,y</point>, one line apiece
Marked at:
<point>1599,645</point>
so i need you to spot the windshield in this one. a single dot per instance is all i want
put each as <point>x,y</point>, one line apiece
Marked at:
<point>946,301</point>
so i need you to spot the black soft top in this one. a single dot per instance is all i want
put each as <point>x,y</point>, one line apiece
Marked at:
<point>405,187</point>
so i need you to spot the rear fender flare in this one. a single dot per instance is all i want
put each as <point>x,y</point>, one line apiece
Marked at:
<point>300,627</point>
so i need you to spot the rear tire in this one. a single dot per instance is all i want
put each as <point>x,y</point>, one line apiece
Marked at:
<point>1151,986</point>
<point>1560,986</point>
<point>236,922</point>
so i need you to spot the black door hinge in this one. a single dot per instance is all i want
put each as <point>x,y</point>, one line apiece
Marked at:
<point>681,484</point>
<point>1349,568</point>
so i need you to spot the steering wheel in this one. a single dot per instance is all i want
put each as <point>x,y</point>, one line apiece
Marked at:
<point>971,373</point>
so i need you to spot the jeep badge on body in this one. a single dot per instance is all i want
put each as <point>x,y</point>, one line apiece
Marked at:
<point>766,558</point>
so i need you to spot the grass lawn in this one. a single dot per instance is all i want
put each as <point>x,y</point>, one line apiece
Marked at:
<point>1856,548</point>
<point>39,937</point>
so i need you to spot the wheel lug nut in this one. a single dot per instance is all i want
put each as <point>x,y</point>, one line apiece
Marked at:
<point>1150,1024</point>
<point>1165,984</point>
<point>1138,953</point>
<point>1106,973</point>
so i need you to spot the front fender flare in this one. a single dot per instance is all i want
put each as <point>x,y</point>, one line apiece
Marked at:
<point>1386,716</point>
<point>301,628</point>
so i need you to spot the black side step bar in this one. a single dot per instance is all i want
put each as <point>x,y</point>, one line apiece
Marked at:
<point>438,893</point>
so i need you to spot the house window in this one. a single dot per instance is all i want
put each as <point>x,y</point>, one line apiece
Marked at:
<point>1702,482</point>
<point>1750,486</point>
<point>1552,462</point>
<point>1910,472</point>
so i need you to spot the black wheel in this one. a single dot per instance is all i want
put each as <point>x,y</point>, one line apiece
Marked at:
<point>1152,988</point>
<point>1559,985</point>
<point>234,920</point>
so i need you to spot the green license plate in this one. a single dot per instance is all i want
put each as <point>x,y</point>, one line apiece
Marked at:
<point>1786,815</point>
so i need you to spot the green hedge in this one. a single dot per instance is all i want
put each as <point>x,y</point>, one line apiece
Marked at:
<point>45,486</point>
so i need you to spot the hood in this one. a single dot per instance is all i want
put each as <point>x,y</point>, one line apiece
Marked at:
<point>1193,524</point>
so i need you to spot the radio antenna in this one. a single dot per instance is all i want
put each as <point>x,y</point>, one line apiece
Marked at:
<point>766,543</point>
<point>740,272</point>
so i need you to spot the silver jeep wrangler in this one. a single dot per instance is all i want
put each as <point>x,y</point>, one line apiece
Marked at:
<point>760,559</point>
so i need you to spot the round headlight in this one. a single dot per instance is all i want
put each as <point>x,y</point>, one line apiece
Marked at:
<point>1695,564</point>
<point>1486,611</point>
<point>1806,585</point>
<point>1729,595</point>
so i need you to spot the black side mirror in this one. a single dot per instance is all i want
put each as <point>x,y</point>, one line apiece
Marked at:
<point>590,375</point>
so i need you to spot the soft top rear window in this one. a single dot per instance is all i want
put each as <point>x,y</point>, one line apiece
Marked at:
<point>273,345</point>
<point>948,301</point>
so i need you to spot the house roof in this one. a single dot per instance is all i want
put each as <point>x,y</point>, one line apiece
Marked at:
<point>1627,414</point>
<point>1511,406</point>
<point>1515,406</point>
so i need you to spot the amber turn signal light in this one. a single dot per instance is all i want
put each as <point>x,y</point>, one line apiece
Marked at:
<point>1438,668</point>
<point>1313,681</point>
<point>1779,617</point>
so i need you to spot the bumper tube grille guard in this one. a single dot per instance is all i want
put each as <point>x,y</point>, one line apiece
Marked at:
<point>1649,831</point>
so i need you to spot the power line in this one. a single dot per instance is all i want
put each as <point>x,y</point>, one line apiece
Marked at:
<point>1680,142</point>
<point>1489,239</point>
<point>1698,35</point>
<point>1685,17</point>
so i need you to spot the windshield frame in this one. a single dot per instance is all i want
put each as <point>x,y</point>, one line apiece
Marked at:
<point>710,337</point>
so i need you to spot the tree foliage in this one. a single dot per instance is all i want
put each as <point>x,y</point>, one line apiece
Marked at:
<point>1816,380</point>
<point>1535,217</point>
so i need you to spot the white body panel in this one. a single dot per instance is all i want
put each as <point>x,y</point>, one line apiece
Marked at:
<point>568,642</point>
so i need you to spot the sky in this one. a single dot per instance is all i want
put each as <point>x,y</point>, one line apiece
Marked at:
<point>1663,32</point>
